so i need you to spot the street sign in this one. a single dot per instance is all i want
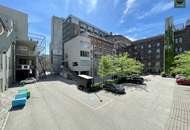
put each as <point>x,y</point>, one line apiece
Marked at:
<point>179,3</point>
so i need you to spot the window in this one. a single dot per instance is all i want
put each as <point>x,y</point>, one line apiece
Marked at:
<point>180,49</point>
<point>149,46</point>
<point>157,56</point>
<point>176,40</point>
<point>75,63</point>
<point>157,64</point>
<point>158,44</point>
<point>180,40</point>
<point>84,53</point>
<point>157,50</point>
<point>149,51</point>
<point>149,63</point>
<point>22,61</point>
<point>176,49</point>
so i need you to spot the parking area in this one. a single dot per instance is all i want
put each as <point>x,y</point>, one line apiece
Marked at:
<point>57,104</point>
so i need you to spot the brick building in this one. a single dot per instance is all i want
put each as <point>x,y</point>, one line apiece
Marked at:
<point>150,51</point>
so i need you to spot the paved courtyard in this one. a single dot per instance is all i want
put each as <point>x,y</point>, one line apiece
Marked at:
<point>57,104</point>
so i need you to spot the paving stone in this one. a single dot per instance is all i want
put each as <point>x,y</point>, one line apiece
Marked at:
<point>180,111</point>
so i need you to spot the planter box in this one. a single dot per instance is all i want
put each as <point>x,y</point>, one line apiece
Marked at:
<point>18,102</point>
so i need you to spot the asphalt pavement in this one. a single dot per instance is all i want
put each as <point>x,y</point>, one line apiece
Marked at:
<point>57,104</point>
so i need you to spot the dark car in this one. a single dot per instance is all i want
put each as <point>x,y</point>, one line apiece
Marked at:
<point>136,80</point>
<point>114,88</point>
<point>131,79</point>
<point>183,81</point>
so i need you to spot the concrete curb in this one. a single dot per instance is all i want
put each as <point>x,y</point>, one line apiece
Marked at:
<point>5,122</point>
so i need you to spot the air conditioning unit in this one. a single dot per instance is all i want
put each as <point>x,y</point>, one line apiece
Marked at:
<point>25,67</point>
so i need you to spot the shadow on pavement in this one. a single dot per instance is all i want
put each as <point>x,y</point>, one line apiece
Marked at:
<point>57,78</point>
<point>16,108</point>
<point>140,87</point>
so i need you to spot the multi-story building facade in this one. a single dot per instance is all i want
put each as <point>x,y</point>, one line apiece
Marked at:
<point>18,55</point>
<point>73,26</point>
<point>150,51</point>
<point>74,29</point>
<point>56,45</point>
<point>83,52</point>
<point>120,42</point>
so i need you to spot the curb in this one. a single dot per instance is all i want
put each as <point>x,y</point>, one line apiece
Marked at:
<point>5,121</point>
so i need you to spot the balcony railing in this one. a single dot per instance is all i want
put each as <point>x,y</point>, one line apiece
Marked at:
<point>26,53</point>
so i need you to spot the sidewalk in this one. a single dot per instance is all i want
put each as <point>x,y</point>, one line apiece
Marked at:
<point>179,118</point>
<point>5,104</point>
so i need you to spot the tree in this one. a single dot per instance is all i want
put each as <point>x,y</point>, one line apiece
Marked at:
<point>181,64</point>
<point>124,65</point>
<point>169,49</point>
<point>105,66</point>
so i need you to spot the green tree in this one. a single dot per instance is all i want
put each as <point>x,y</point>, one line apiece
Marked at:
<point>169,49</point>
<point>181,64</point>
<point>123,65</point>
<point>105,66</point>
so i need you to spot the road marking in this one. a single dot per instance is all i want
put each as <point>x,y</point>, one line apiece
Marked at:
<point>5,121</point>
<point>91,107</point>
<point>103,105</point>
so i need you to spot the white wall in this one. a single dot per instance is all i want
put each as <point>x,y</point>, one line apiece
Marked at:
<point>72,50</point>
<point>56,43</point>
<point>57,35</point>
<point>6,71</point>
<point>20,19</point>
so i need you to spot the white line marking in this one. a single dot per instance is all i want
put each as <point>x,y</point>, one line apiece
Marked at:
<point>101,106</point>
<point>5,121</point>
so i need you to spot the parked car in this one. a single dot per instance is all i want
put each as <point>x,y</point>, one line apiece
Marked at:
<point>136,80</point>
<point>179,76</point>
<point>183,81</point>
<point>131,79</point>
<point>28,81</point>
<point>114,88</point>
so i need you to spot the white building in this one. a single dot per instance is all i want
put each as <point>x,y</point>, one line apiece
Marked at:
<point>18,55</point>
<point>77,54</point>
<point>56,46</point>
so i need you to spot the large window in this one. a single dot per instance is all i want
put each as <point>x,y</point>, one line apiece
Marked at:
<point>157,50</point>
<point>158,44</point>
<point>22,61</point>
<point>84,53</point>
<point>180,40</point>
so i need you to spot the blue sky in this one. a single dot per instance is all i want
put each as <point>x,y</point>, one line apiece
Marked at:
<point>134,19</point>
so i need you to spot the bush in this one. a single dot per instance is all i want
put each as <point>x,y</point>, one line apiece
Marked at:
<point>96,87</point>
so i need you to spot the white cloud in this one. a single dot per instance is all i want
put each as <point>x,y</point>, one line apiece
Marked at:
<point>132,37</point>
<point>131,30</point>
<point>158,8</point>
<point>128,5</point>
<point>91,5</point>
<point>88,5</point>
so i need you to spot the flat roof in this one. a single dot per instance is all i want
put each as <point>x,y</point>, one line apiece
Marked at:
<point>85,76</point>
